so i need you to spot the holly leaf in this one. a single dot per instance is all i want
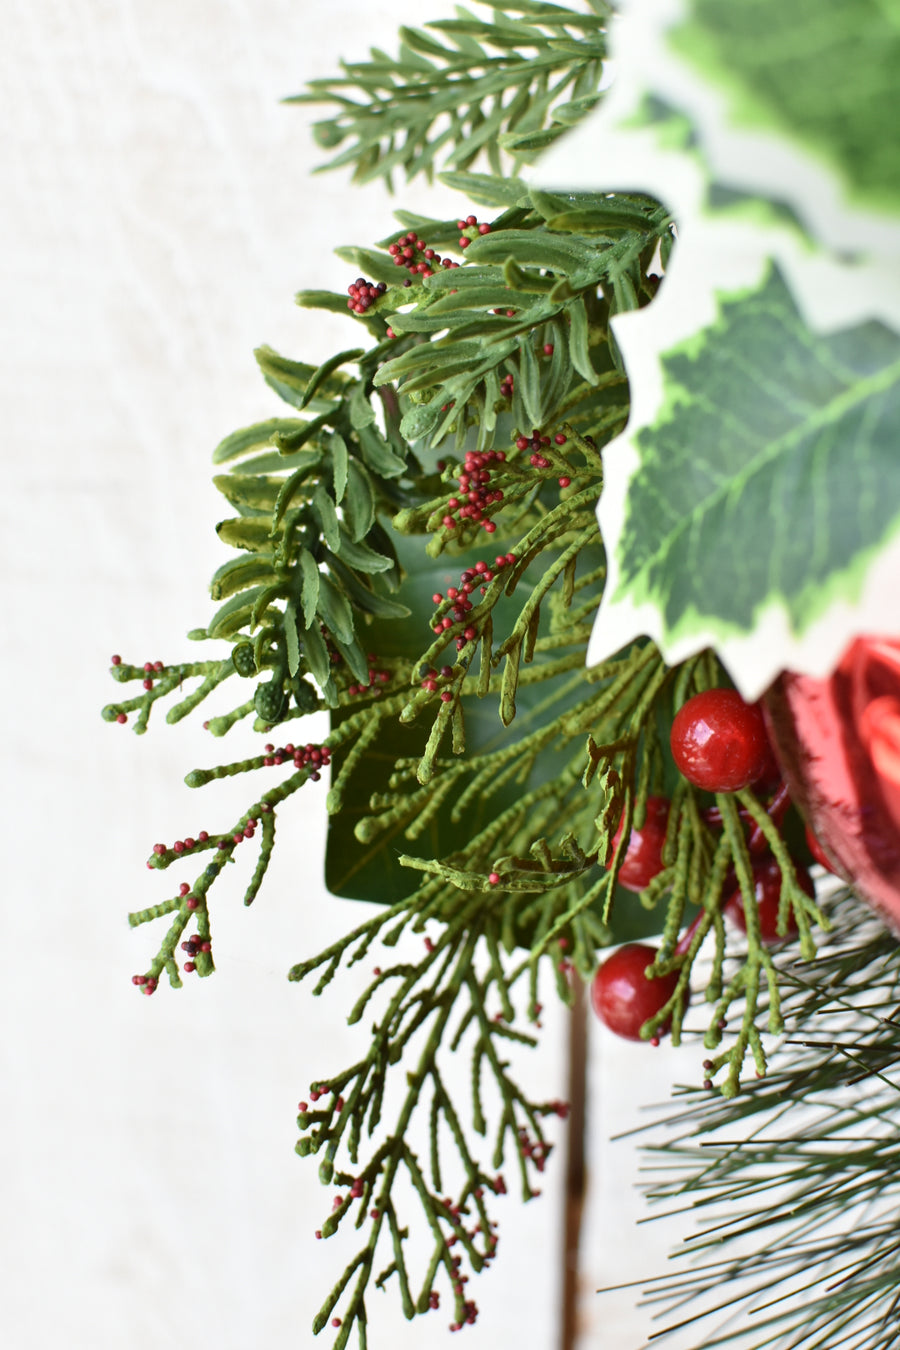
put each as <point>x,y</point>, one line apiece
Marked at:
<point>770,475</point>
<point>811,87</point>
<point>757,440</point>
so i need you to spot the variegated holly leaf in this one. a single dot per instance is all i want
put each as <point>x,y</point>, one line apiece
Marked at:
<point>739,505</point>
<point>770,476</point>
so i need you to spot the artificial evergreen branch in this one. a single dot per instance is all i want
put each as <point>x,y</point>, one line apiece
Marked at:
<point>483,781</point>
<point>795,1182</point>
<point>515,80</point>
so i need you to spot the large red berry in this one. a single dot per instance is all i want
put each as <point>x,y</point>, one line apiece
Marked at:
<point>621,994</point>
<point>643,857</point>
<point>767,889</point>
<point>719,742</point>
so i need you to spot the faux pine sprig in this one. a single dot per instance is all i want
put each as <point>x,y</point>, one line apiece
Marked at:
<point>465,87</point>
<point>793,1186</point>
<point>416,551</point>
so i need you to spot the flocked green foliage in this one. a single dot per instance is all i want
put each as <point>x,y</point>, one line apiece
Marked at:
<point>793,1186</point>
<point>459,88</point>
<point>416,551</point>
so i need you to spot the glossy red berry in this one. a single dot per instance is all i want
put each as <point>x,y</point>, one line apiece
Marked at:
<point>643,857</point>
<point>621,994</point>
<point>767,889</point>
<point>719,742</point>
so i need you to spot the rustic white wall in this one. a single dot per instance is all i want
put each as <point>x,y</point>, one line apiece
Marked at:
<point>157,215</point>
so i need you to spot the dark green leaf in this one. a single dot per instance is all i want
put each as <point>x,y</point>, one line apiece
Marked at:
<point>419,420</point>
<point>339,463</point>
<point>326,511</point>
<point>310,586</point>
<point>290,638</point>
<point>291,441</point>
<point>363,597</point>
<point>486,189</point>
<point>328,368</point>
<point>235,613</point>
<point>317,658</point>
<point>359,502</point>
<point>378,455</point>
<point>334,609</point>
<point>336,304</point>
<point>360,557</point>
<point>579,341</point>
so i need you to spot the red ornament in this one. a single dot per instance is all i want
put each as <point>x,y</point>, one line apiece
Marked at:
<point>621,994</point>
<point>643,857</point>
<point>719,741</point>
<point>838,741</point>
<point>767,889</point>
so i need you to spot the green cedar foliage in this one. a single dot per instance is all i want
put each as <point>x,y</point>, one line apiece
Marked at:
<point>478,770</point>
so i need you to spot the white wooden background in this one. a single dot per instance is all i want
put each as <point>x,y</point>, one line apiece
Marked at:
<point>157,216</point>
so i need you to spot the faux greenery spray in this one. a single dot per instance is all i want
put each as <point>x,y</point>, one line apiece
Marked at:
<point>415,548</point>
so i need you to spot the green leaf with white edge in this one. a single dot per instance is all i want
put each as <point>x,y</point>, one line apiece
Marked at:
<point>813,86</point>
<point>648,139</point>
<point>762,498</point>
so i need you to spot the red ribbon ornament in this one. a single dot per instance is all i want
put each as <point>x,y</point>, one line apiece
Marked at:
<point>838,742</point>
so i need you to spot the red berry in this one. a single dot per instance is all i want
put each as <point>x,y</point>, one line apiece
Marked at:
<point>719,742</point>
<point>621,994</point>
<point>643,857</point>
<point>767,889</point>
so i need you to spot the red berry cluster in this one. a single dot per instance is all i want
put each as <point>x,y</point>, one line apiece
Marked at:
<point>413,253</point>
<point>535,1150</point>
<point>151,668</point>
<point>181,846</point>
<point>376,678</point>
<point>146,983</point>
<point>507,385</point>
<point>192,946</point>
<point>363,294</point>
<point>471,223</point>
<point>479,575</point>
<point>303,756</point>
<point>475,493</point>
<point>536,443</point>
